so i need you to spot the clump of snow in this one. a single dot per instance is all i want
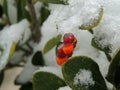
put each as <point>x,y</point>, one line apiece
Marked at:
<point>84,78</point>
<point>65,88</point>
<point>27,73</point>
<point>77,13</point>
<point>15,32</point>
<point>54,70</point>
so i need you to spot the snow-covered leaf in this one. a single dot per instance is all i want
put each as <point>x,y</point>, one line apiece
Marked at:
<point>45,80</point>
<point>55,1</point>
<point>93,21</point>
<point>113,75</point>
<point>95,43</point>
<point>51,43</point>
<point>6,51</point>
<point>82,73</point>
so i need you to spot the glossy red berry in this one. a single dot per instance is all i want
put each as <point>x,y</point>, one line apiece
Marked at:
<point>60,52</point>
<point>60,61</point>
<point>68,38</point>
<point>65,48</point>
<point>68,49</point>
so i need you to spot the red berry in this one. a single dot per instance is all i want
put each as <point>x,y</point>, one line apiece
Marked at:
<point>68,38</point>
<point>60,61</point>
<point>68,49</point>
<point>60,52</point>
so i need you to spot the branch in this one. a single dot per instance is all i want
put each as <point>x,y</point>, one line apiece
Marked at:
<point>36,34</point>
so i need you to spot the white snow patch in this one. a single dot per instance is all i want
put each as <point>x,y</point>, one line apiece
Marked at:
<point>84,78</point>
<point>15,32</point>
<point>27,73</point>
<point>65,88</point>
<point>53,70</point>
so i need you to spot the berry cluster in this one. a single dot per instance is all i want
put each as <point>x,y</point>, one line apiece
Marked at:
<point>65,49</point>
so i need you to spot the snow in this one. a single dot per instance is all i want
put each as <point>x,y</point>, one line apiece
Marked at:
<point>65,88</point>
<point>27,73</point>
<point>108,30</point>
<point>53,70</point>
<point>68,18</point>
<point>84,78</point>
<point>15,32</point>
<point>9,36</point>
<point>4,53</point>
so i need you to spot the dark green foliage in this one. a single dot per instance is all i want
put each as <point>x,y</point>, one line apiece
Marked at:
<point>1,26</point>
<point>1,11</point>
<point>27,86</point>
<point>55,1</point>
<point>45,12</point>
<point>21,11</point>
<point>1,77</point>
<point>5,7</point>
<point>74,65</point>
<point>38,59</point>
<point>46,81</point>
<point>113,75</point>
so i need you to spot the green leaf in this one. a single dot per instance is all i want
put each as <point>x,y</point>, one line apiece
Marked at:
<point>82,73</point>
<point>95,43</point>
<point>46,81</point>
<point>113,75</point>
<point>1,11</point>
<point>92,23</point>
<point>51,43</point>
<point>55,1</point>
<point>27,86</point>
<point>45,12</point>
<point>1,26</point>
<point>1,77</point>
<point>5,7</point>
<point>38,59</point>
<point>21,11</point>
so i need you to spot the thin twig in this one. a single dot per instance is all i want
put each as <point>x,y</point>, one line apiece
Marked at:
<point>35,24</point>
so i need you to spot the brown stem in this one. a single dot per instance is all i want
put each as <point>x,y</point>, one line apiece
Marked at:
<point>36,34</point>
